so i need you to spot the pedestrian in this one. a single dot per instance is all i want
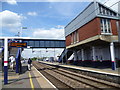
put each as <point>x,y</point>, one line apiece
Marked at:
<point>12,60</point>
<point>29,64</point>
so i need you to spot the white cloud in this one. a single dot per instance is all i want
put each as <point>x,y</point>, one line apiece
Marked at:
<point>52,33</point>
<point>10,19</point>
<point>69,0</point>
<point>32,13</point>
<point>59,26</point>
<point>12,2</point>
<point>50,0</point>
<point>27,53</point>
<point>50,7</point>
<point>11,22</point>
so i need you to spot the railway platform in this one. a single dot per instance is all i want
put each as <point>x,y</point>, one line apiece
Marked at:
<point>31,80</point>
<point>107,71</point>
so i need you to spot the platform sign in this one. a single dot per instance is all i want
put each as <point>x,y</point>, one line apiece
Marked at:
<point>18,44</point>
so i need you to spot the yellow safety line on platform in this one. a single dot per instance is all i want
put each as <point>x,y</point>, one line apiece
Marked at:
<point>31,83</point>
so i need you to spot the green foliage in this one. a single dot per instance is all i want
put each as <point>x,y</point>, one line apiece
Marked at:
<point>34,58</point>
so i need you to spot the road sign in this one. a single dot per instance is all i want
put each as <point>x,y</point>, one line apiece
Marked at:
<point>18,44</point>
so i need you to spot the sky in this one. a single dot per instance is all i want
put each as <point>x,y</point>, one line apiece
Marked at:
<point>44,20</point>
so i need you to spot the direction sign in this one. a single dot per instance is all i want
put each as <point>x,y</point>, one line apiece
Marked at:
<point>18,44</point>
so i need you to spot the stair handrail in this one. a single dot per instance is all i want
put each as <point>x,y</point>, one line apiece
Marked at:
<point>62,55</point>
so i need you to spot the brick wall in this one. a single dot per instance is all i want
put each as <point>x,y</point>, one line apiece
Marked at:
<point>68,40</point>
<point>89,30</point>
<point>114,27</point>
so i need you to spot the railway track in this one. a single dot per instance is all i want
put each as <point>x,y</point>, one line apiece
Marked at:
<point>73,80</point>
<point>59,85</point>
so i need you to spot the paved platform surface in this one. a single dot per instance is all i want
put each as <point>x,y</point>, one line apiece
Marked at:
<point>31,80</point>
<point>104,71</point>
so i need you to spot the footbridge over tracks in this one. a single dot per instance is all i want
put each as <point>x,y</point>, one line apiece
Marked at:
<point>36,42</point>
<point>16,44</point>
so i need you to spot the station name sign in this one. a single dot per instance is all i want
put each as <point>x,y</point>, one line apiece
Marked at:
<point>17,44</point>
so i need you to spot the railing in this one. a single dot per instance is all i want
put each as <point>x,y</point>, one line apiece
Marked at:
<point>65,55</point>
<point>62,55</point>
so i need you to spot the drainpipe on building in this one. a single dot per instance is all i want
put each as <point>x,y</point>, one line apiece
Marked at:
<point>118,23</point>
<point>112,56</point>
<point>118,28</point>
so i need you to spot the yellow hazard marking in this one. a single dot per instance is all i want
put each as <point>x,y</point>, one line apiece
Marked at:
<point>31,83</point>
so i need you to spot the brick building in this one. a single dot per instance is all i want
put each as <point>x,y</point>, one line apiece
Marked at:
<point>93,37</point>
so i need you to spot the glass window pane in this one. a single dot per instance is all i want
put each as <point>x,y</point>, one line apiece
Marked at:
<point>100,9</point>
<point>103,10</point>
<point>101,24</point>
<point>107,12</point>
<point>109,26</point>
<point>36,43</point>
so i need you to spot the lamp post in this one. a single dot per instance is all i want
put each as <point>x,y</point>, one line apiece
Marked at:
<point>54,54</point>
<point>18,34</point>
<point>21,30</point>
<point>39,56</point>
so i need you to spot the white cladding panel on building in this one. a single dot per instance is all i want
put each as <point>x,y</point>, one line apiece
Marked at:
<point>88,14</point>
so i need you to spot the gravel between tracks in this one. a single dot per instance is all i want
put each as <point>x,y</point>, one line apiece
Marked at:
<point>68,79</point>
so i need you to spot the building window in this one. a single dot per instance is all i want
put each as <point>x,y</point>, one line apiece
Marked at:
<point>109,26</point>
<point>100,9</point>
<point>77,36</point>
<point>105,26</point>
<point>105,11</point>
<point>101,25</point>
<point>74,37</point>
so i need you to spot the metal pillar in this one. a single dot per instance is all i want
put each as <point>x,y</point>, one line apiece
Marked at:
<point>54,54</point>
<point>75,55</point>
<point>20,66</point>
<point>66,58</point>
<point>17,62</point>
<point>82,54</point>
<point>112,56</point>
<point>93,53</point>
<point>62,58</point>
<point>94,64</point>
<point>5,61</point>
